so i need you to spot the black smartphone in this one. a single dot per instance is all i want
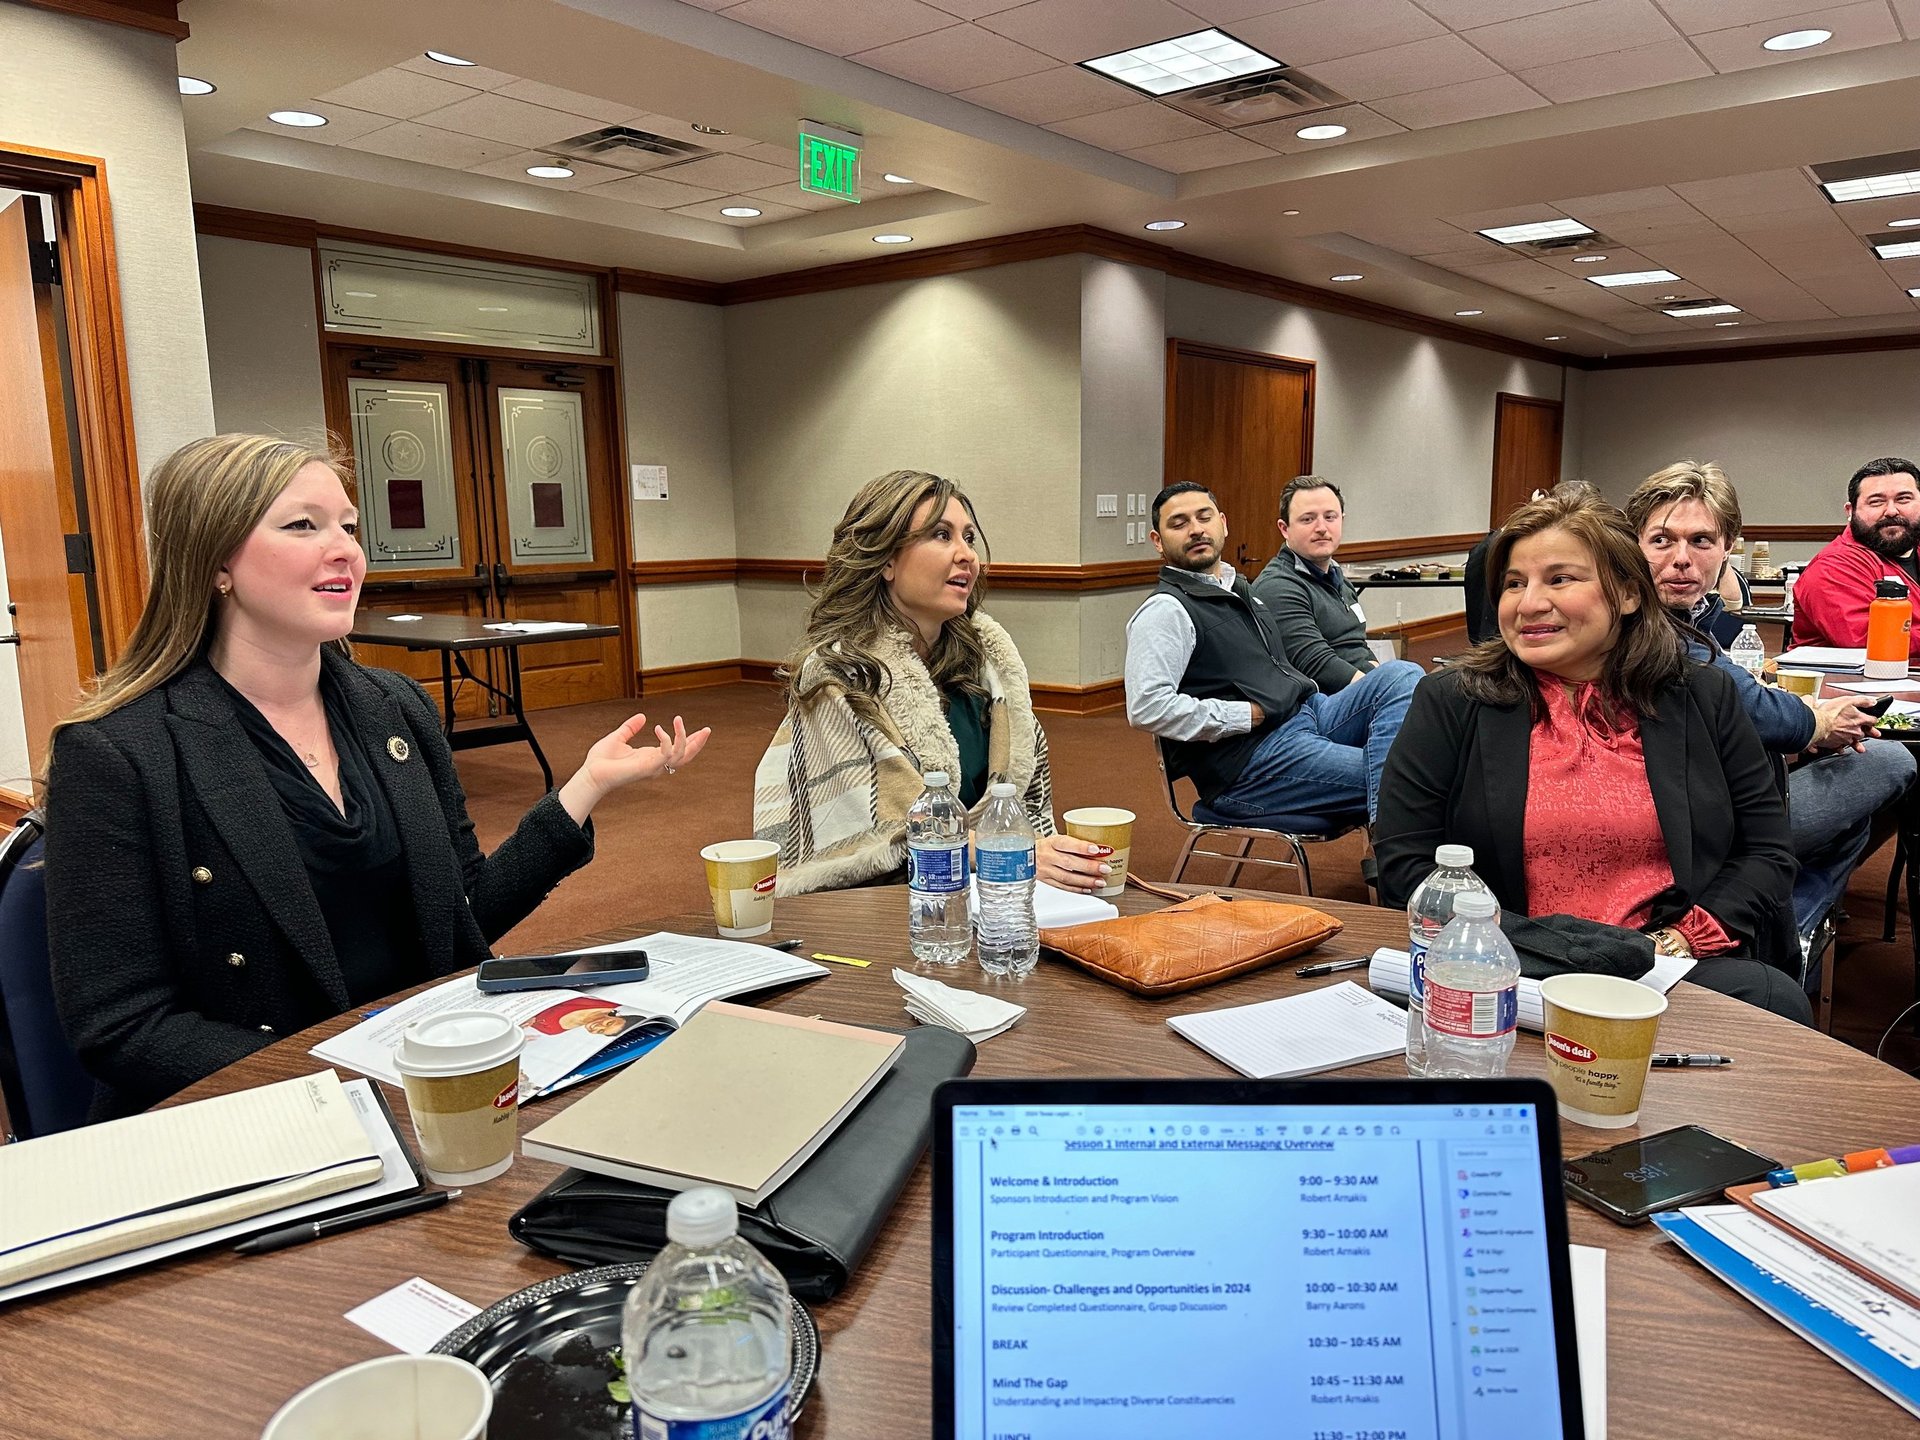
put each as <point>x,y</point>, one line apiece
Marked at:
<point>562,972</point>
<point>1628,1182</point>
<point>1876,707</point>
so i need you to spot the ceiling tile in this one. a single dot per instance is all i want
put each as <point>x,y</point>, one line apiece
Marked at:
<point>1227,12</point>
<point>534,92</point>
<point>660,194</point>
<point>1765,192</point>
<point>1283,135</point>
<point>1854,27</point>
<point>1619,258</point>
<point>1076,30</point>
<point>474,77</point>
<point>840,27</point>
<point>1450,104</point>
<point>791,194</point>
<point>1411,236</point>
<point>955,58</point>
<point>342,125</point>
<point>1406,69</point>
<point>1465,14</point>
<point>974,9</point>
<point>1867,217</point>
<point>1203,152</point>
<point>770,211</point>
<point>1511,215</point>
<point>728,174</point>
<point>1640,68</point>
<point>514,167</point>
<point>1132,127</point>
<point>1331,29</point>
<point>1696,17</point>
<point>1907,12</point>
<point>1062,93</point>
<point>787,155</point>
<point>1652,201</point>
<point>1599,27</point>
<point>401,94</point>
<point>410,140</point>
<point>496,117</point>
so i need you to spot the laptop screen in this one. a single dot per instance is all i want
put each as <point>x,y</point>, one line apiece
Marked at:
<point>1199,1261</point>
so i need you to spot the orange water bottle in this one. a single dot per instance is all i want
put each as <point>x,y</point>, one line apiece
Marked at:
<point>1889,619</point>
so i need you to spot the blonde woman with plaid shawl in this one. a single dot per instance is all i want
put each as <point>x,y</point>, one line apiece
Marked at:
<point>900,674</point>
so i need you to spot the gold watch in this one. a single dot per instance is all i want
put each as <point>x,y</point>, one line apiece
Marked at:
<point>1669,941</point>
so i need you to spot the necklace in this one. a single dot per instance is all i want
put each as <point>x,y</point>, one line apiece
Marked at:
<point>313,760</point>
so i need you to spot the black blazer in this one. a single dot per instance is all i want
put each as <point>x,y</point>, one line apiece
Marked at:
<point>1457,774</point>
<point>183,929</point>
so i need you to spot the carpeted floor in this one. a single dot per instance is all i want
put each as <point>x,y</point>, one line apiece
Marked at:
<point>650,836</point>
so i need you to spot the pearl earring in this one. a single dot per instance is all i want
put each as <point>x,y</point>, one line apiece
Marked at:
<point>225,589</point>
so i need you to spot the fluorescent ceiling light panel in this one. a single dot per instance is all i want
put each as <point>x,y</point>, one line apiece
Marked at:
<point>1182,63</point>
<point>1682,311</point>
<point>1899,250</point>
<point>1873,187</point>
<point>1634,277</point>
<point>1540,230</point>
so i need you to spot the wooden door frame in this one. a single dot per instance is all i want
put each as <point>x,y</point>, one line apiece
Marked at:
<point>103,396</point>
<point>1501,400</point>
<point>1202,350</point>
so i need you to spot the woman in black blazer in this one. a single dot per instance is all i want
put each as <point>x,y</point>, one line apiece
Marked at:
<point>1588,672</point>
<point>248,832</point>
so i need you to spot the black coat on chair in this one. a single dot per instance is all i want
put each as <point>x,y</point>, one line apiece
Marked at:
<point>184,931</point>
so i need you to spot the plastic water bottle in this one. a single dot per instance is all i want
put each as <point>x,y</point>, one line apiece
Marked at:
<point>1005,857</point>
<point>1473,994</point>
<point>937,925</point>
<point>707,1331</point>
<point>1747,652</point>
<point>1429,911</point>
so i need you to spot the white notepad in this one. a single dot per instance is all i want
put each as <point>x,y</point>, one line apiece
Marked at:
<point>1873,1219</point>
<point>1299,1034</point>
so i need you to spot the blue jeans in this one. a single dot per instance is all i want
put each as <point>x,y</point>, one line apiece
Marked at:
<point>1325,759</point>
<point>1831,806</point>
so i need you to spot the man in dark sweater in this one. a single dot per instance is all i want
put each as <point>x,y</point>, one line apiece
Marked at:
<point>1321,623</point>
<point>1207,673</point>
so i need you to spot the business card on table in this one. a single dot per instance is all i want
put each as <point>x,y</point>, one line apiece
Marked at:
<point>413,1317</point>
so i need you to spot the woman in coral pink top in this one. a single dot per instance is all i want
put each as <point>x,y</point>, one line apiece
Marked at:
<point>1595,770</point>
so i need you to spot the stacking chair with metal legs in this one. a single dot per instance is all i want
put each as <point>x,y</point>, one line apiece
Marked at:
<point>1295,832</point>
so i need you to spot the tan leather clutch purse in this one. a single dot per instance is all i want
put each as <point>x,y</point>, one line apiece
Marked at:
<point>1194,943</point>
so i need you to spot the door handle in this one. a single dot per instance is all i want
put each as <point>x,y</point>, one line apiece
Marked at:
<point>502,580</point>
<point>14,638</point>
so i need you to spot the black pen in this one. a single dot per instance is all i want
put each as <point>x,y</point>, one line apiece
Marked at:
<point>1327,967</point>
<point>270,1240</point>
<point>786,944</point>
<point>1692,1062</point>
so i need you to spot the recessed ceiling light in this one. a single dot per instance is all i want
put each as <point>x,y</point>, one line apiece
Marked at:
<point>738,212</point>
<point>492,309</point>
<point>893,179</point>
<point>550,172</point>
<point>299,119</point>
<point>1289,212</point>
<point>1872,187</point>
<point>1723,324</point>
<point>1903,224</point>
<point>361,294</point>
<point>1343,279</point>
<point>1469,312</point>
<point>1539,230</point>
<point>1556,337</point>
<point>1166,225</point>
<point>1796,40</point>
<point>709,129</point>
<point>1669,297</point>
<point>446,59</point>
<point>1685,311</point>
<point>1182,63</point>
<point>191,85</point>
<point>1633,277</point>
<point>1588,259</point>
<point>1898,250</point>
<point>1321,132</point>
<point>892,239</point>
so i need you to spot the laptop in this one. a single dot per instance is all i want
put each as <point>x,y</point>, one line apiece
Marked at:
<point>1326,1258</point>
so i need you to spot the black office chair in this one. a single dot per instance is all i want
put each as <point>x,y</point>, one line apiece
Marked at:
<point>44,1086</point>
<point>1296,832</point>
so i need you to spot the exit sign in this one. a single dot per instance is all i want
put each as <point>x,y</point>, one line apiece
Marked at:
<point>830,162</point>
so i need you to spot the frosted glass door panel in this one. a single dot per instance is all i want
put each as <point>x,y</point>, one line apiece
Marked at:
<point>403,455</point>
<point>549,518</point>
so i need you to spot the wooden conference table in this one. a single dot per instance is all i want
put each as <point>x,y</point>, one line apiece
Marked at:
<point>209,1346</point>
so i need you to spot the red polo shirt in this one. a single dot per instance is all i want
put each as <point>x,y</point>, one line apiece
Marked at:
<point>1831,599</point>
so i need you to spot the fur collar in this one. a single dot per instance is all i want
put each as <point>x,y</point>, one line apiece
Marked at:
<point>913,703</point>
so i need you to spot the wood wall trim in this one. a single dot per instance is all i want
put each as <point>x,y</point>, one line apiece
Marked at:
<point>1106,575</point>
<point>12,806</point>
<point>666,679</point>
<point>1426,628</point>
<point>1808,534</point>
<point>1782,350</point>
<point>1407,546</point>
<point>161,17</point>
<point>1079,699</point>
<point>255,225</point>
<point>682,572</point>
<point>1059,699</point>
<point>667,287</point>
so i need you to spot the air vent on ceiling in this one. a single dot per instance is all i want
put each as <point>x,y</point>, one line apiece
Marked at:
<point>1255,99</point>
<point>625,148</point>
<point>1564,245</point>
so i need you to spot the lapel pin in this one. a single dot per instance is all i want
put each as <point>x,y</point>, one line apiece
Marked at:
<point>398,748</point>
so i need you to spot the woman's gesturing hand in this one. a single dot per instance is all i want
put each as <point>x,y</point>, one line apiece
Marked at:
<point>614,761</point>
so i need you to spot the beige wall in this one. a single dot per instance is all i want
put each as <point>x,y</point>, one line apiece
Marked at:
<point>263,339</point>
<point>1787,432</point>
<point>102,90</point>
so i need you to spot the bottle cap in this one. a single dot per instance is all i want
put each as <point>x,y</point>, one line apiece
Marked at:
<point>1002,790</point>
<point>936,779</point>
<point>1455,857</point>
<point>702,1217</point>
<point>1474,905</point>
<point>1889,589</point>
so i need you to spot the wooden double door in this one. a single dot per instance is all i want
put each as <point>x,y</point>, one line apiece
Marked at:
<point>487,489</point>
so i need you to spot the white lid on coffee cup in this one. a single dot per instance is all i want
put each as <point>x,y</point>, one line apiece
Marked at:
<point>457,1042</point>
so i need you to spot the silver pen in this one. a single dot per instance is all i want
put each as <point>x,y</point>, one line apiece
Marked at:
<point>1328,967</point>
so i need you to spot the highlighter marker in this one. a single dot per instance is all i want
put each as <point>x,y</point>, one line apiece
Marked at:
<point>1818,1170</point>
<point>1867,1160</point>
